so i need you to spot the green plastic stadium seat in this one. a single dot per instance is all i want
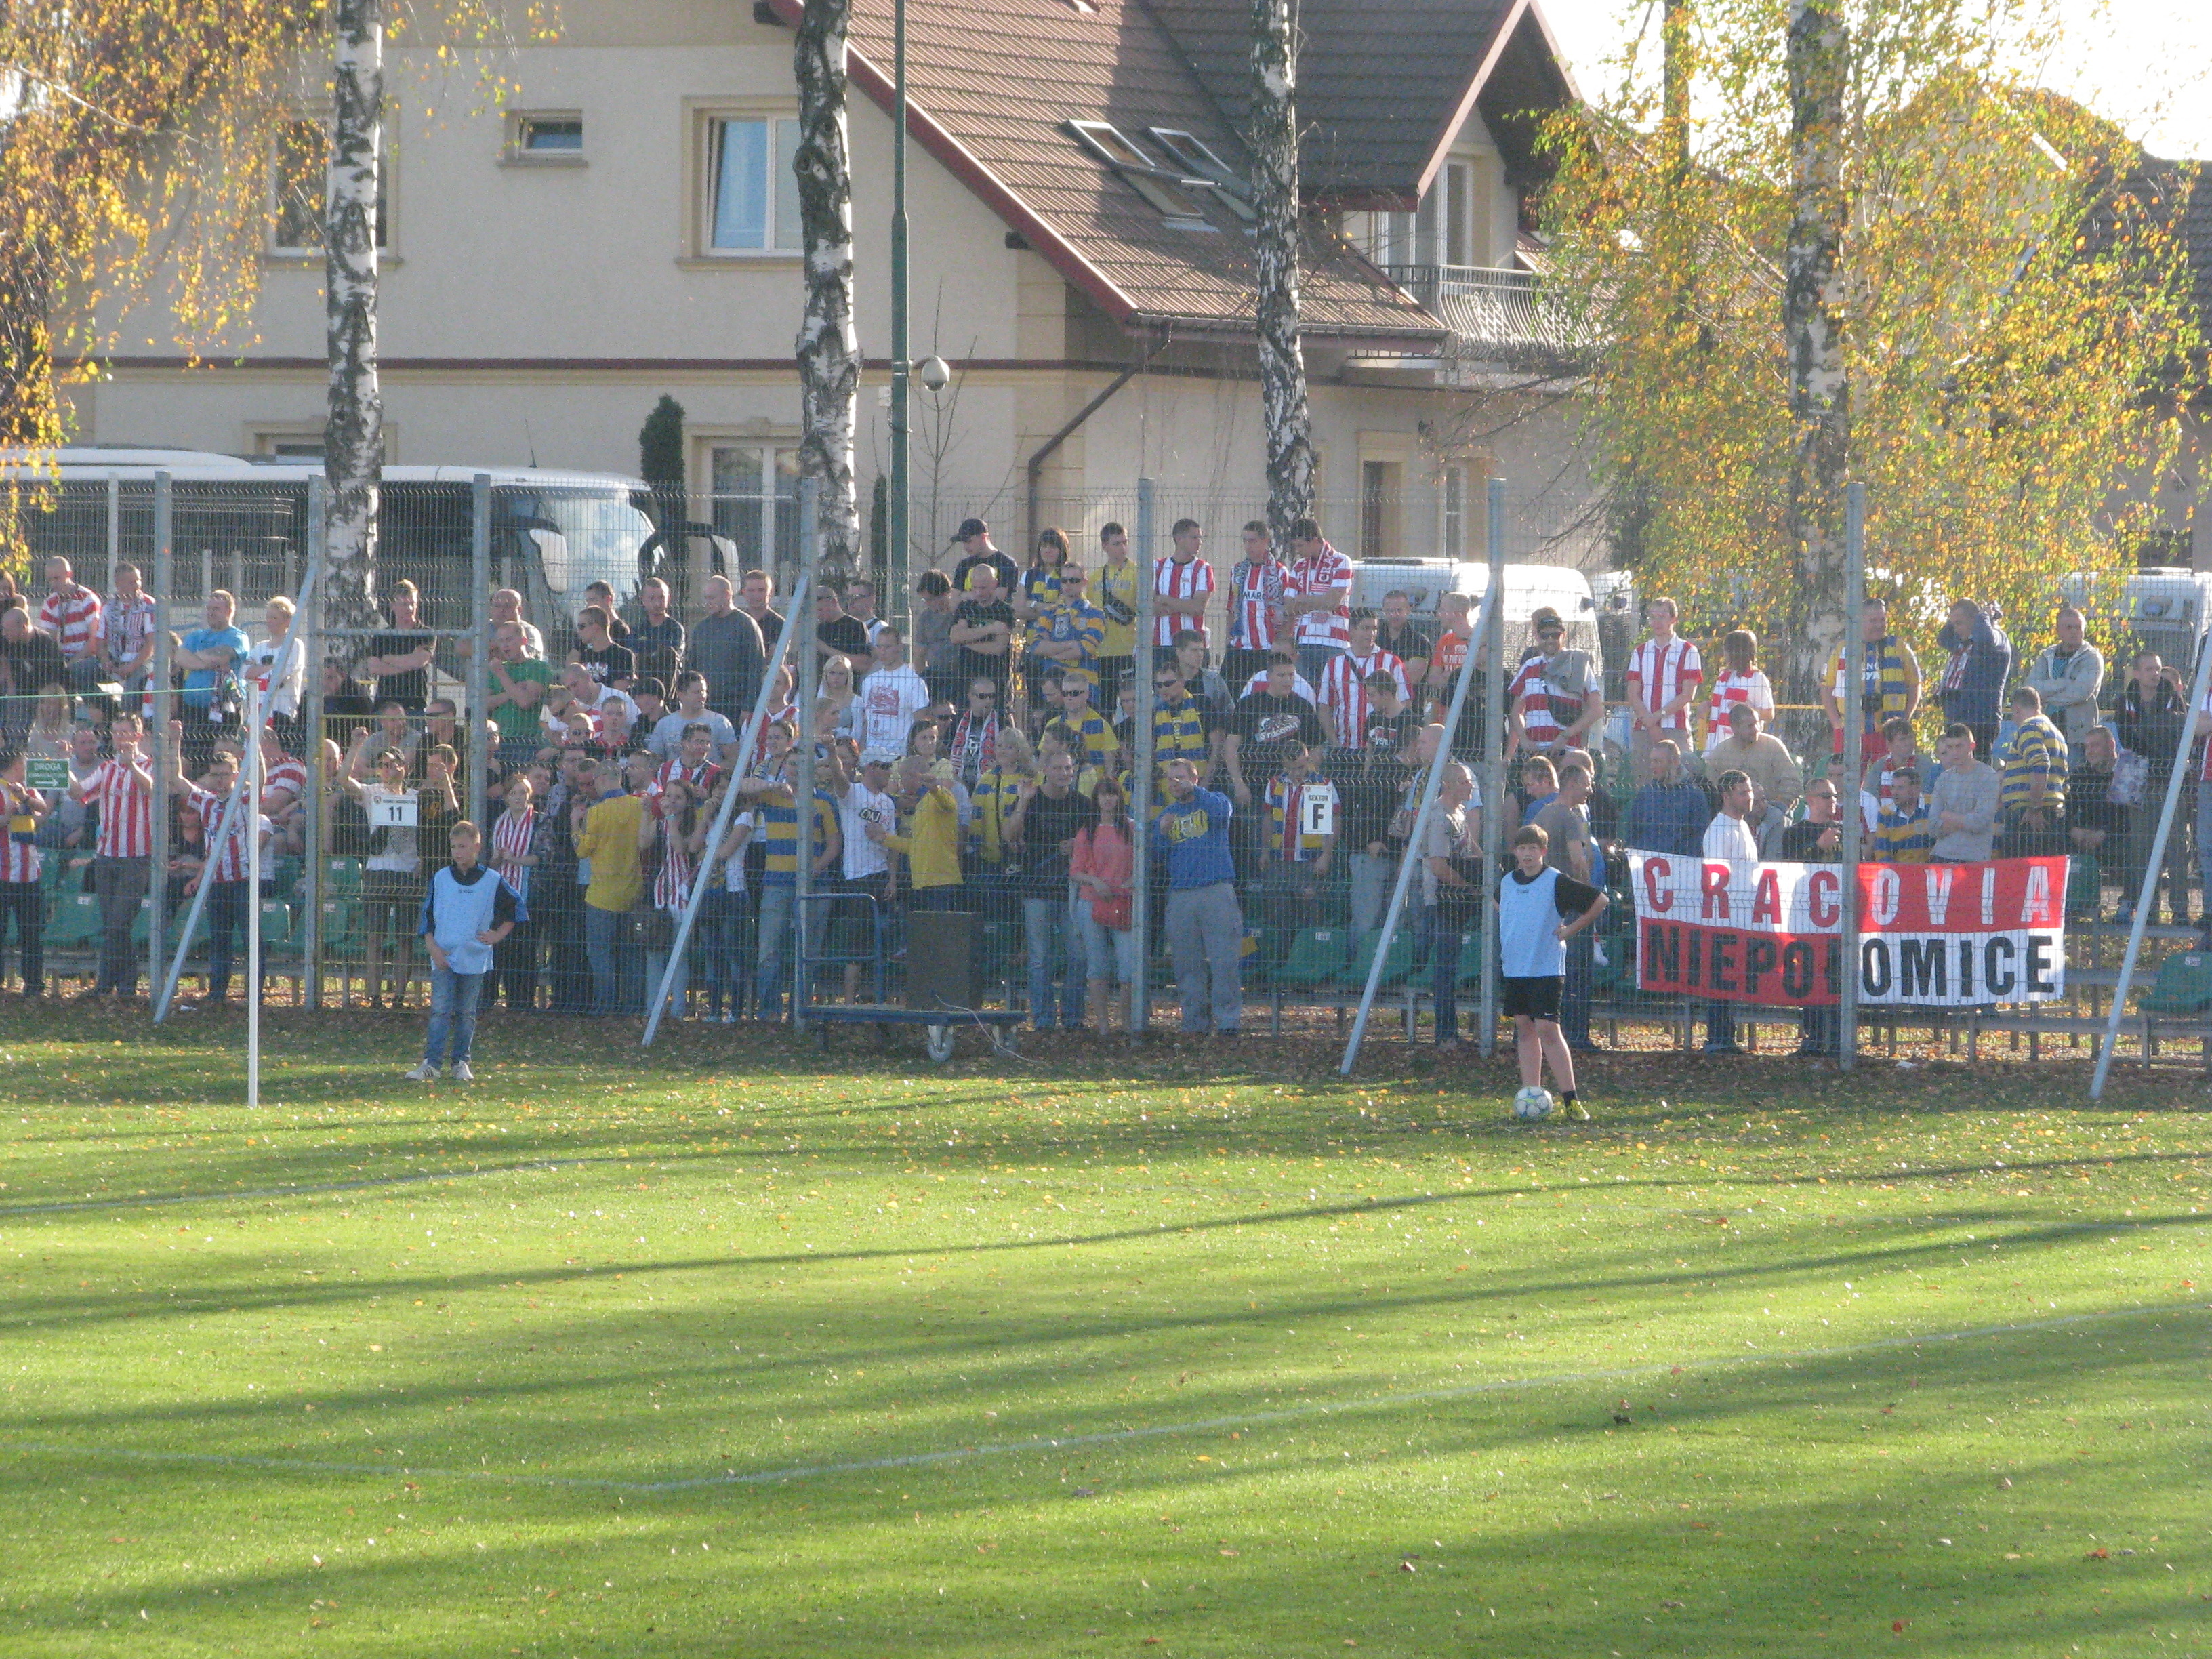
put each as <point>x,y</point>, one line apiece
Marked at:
<point>2184,987</point>
<point>342,877</point>
<point>1397,960</point>
<point>2085,886</point>
<point>1316,957</point>
<point>275,922</point>
<point>74,921</point>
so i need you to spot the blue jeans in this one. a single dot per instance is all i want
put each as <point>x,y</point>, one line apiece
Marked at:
<point>1720,1025</point>
<point>453,1010</point>
<point>1371,876</point>
<point>226,911</point>
<point>719,936</point>
<point>1574,995</point>
<point>776,905</point>
<point>1108,952</point>
<point>2180,901</point>
<point>1446,944</point>
<point>1206,936</point>
<point>1056,953</point>
<point>607,947</point>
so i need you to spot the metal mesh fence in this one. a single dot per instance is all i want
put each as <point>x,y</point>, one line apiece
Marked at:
<point>344,884</point>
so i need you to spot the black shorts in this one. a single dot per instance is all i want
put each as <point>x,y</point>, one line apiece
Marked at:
<point>1536,995</point>
<point>852,922</point>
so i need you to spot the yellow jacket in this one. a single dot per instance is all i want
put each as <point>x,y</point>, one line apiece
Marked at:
<point>932,842</point>
<point>610,841</point>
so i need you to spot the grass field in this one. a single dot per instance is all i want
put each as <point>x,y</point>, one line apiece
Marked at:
<point>865,1357</point>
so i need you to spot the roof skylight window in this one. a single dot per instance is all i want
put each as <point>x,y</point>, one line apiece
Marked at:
<point>1203,167</point>
<point>1166,190</point>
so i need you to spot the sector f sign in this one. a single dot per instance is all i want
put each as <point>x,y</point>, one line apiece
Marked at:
<point>1932,935</point>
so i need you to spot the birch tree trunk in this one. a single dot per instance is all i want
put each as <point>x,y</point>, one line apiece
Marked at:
<point>1813,311</point>
<point>1273,138</point>
<point>828,347</point>
<point>353,440</point>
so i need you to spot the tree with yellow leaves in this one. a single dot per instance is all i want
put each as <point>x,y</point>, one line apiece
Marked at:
<point>1853,246</point>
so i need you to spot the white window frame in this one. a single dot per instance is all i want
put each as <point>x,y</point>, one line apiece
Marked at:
<point>704,121</point>
<point>779,514</point>
<point>517,152</point>
<point>1451,511</point>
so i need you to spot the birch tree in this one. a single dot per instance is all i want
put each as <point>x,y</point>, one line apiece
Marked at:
<point>1813,324</point>
<point>829,346</point>
<point>1886,260</point>
<point>1271,135</point>
<point>353,438</point>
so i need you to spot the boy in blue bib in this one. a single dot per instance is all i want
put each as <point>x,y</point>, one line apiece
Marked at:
<point>1539,910</point>
<point>468,909</point>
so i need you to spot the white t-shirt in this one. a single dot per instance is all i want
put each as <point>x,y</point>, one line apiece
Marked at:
<point>889,699</point>
<point>861,807</point>
<point>668,731</point>
<point>733,869</point>
<point>1731,839</point>
<point>261,663</point>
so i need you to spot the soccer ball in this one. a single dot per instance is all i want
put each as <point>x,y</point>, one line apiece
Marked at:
<point>1533,1104</point>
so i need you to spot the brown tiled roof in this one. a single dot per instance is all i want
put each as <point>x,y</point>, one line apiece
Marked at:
<point>2197,230</point>
<point>1383,84</point>
<point>992,84</point>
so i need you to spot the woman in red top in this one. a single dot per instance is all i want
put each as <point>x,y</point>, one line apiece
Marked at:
<point>1103,863</point>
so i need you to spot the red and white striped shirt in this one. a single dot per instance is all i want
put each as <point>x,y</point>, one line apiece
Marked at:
<point>1193,579</point>
<point>19,859</point>
<point>1660,673</point>
<point>126,800</point>
<point>290,773</point>
<point>1344,691</point>
<point>1540,726</point>
<point>226,863</point>
<point>1327,569</point>
<point>512,834</point>
<point>671,887</point>
<point>1259,589</point>
<point>701,777</point>
<point>72,617</point>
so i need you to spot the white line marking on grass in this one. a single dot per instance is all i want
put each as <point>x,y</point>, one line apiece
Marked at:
<point>144,1200</point>
<point>1061,1443</point>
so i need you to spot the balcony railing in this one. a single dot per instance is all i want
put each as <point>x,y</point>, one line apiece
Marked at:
<point>1495,315</point>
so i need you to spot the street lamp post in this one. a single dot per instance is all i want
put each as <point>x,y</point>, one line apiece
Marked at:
<point>900,424</point>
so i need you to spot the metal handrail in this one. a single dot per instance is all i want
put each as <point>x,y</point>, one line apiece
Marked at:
<point>1491,311</point>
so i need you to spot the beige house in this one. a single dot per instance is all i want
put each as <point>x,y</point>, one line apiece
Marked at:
<point>625,227</point>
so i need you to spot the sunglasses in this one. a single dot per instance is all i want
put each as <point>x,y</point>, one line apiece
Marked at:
<point>982,697</point>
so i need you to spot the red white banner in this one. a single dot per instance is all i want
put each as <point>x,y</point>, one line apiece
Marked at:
<point>1939,935</point>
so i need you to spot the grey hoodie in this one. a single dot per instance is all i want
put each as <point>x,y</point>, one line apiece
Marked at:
<point>1973,796</point>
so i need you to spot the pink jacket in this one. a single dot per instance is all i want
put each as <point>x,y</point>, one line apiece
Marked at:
<point>1104,853</point>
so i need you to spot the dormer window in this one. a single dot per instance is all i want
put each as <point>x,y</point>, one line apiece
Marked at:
<point>1203,167</point>
<point>1163,187</point>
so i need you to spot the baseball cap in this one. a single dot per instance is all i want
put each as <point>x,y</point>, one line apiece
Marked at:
<point>970,527</point>
<point>880,758</point>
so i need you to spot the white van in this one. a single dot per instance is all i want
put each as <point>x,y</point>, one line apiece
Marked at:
<point>1528,589</point>
<point>240,522</point>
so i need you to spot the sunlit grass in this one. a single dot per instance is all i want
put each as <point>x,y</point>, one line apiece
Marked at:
<point>861,1356</point>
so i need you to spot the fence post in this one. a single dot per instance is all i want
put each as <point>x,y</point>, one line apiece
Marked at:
<point>2152,865</point>
<point>479,648</point>
<point>165,703</point>
<point>1494,795</point>
<point>1847,785</point>
<point>255,781</point>
<point>1140,994</point>
<point>311,744</point>
<point>749,740</point>
<point>806,677</point>
<point>1432,779</point>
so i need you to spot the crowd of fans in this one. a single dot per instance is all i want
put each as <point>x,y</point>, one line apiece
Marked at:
<point>984,764</point>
